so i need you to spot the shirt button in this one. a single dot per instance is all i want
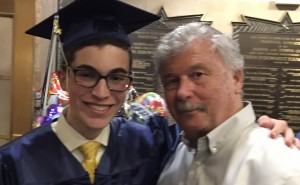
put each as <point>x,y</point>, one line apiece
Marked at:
<point>214,150</point>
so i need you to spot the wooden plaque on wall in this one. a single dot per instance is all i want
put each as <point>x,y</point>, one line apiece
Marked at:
<point>144,42</point>
<point>272,67</point>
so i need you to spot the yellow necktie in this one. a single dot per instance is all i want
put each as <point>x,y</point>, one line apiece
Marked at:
<point>89,151</point>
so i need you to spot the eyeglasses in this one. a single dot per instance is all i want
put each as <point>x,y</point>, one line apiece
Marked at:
<point>90,78</point>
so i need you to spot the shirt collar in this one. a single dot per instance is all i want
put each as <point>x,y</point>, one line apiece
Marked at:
<point>232,128</point>
<point>71,138</point>
<point>228,130</point>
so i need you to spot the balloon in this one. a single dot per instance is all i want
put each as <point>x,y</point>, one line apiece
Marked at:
<point>38,121</point>
<point>153,102</point>
<point>137,112</point>
<point>57,99</point>
<point>55,89</point>
<point>53,112</point>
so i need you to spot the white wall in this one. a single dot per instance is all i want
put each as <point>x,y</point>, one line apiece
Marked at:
<point>221,12</point>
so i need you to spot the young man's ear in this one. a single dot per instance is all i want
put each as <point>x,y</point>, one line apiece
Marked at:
<point>62,76</point>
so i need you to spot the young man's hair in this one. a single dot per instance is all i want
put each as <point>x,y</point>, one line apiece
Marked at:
<point>70,52</point>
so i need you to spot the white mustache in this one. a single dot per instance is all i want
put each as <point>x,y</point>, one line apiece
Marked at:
<point>202,108</point>
<point>187,107</point>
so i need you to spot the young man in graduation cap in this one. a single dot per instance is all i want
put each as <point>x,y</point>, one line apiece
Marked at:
<point>88,144</point>
<point>97,76</point>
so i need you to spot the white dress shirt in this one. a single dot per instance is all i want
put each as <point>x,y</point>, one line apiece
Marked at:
<point>238,152</point>
<point>73,140</point>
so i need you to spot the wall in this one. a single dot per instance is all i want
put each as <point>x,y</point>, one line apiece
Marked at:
<point>7,6</point>
<point>6,32</point>
<point>6,26</point>
<point>221,12</point>
<point>41,45</point>
<point>16,68</point>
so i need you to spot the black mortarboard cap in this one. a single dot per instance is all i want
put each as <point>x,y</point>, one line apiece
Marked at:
<point>85,20</point>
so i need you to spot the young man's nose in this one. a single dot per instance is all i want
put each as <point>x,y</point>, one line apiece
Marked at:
<point>101,89</point>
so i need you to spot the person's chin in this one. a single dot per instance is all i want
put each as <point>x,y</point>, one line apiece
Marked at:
<point>98,124</point>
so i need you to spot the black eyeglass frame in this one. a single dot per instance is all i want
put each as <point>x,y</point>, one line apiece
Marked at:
<point>75,70</point>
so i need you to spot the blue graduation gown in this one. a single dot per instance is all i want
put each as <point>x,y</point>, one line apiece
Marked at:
<point>135,155</point>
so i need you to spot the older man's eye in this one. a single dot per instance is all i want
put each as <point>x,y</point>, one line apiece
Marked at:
<point>170,83</point>
<point>198,74</point>
<point>197,77</point>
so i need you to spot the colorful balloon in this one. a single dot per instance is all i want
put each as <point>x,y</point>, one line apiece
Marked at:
<point>57,99</point>
<point>137,112</point>
<point>53,112</point>
<point>55,89</point>
<point>153,102</point>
